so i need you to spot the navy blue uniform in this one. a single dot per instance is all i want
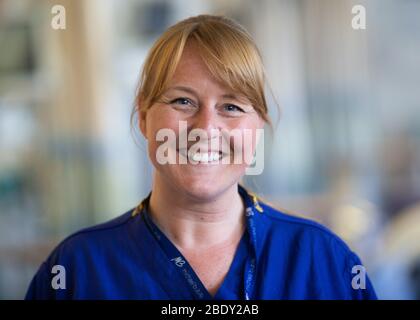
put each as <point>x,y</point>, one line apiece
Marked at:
<point>278,257</point>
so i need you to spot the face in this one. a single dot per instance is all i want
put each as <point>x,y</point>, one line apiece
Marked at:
<point>211,125</point>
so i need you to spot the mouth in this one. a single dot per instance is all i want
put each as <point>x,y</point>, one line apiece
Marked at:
<point>201,157</point>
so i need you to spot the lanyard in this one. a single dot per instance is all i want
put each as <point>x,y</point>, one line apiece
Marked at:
<point>181,264</point>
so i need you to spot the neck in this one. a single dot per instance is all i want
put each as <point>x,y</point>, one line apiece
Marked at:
<point>197,224</point>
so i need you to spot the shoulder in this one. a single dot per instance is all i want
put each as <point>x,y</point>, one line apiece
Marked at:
<point>93,238</point>
<point>112,226</point>
<point>312,249</point>
<point>78,256</point>
<point>303,232</point>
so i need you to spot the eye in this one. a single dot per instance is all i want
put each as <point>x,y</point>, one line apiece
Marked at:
<point>232,108</point>
<point>182,101</point>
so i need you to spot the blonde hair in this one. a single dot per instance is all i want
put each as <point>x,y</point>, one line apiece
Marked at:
<point>227,49</point>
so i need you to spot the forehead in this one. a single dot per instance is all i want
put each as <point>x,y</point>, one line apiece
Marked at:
<point>191,67</point>
<point>193,72</point>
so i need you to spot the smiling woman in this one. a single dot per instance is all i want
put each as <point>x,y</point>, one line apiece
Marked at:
<point>200,234</point>
<point>195,96</point>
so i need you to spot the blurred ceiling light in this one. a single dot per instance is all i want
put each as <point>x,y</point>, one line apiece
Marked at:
<point>352,222</point>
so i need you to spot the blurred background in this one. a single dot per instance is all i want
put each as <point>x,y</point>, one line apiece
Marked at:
<point>345,151</point>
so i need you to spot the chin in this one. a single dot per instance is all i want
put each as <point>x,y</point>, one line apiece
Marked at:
<point>202,185</point>
<point>202,190</point>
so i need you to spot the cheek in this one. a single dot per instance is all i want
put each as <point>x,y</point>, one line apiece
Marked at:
<point>159,119</point>
<point>161,122</point>
<point>244,137</point>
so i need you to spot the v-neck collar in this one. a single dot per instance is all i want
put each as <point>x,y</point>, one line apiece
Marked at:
<point>181,270</point>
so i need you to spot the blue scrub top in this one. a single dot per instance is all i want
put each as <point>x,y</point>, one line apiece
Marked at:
<point>278,257</point>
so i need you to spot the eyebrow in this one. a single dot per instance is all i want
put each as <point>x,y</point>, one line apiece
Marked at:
<point>193,92</point>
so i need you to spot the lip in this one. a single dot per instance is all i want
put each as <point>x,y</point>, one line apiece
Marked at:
<point>203,149</point>
<point>184,153</point>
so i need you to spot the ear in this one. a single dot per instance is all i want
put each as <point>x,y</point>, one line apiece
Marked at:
<point>142,119</point>
<point>142,123</point>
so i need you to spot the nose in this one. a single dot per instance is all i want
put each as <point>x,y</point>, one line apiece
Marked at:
<point>206,120</point>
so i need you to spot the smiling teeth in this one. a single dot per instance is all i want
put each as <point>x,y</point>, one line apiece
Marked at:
<point>206,157</point>
<point>202,157</point>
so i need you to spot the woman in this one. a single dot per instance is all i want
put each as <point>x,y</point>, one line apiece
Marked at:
<point>199,234</point>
